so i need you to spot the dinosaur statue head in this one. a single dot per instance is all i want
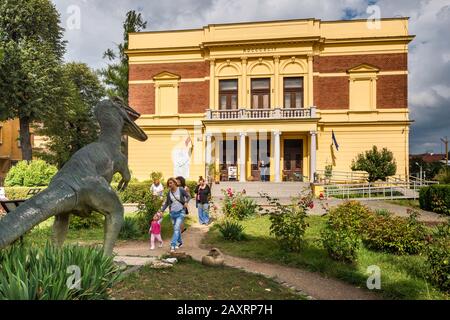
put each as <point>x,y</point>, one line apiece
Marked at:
<point>116,113</point>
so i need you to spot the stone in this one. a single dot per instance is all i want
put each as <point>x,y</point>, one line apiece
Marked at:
<point>158,264</point>
<point>170,260</point>
<point>214,258</point>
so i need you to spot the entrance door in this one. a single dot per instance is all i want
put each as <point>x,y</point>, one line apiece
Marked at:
<point>228,160</point>
<point>293,160</point>
<point>260,157</point>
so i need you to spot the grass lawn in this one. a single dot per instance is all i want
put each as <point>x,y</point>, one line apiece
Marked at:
<point>406,203</point>
<point>190,280</point>
<point>401,276</point>
<point>43,233</point>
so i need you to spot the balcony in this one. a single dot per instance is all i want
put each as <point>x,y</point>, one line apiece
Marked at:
<point>248,114</point>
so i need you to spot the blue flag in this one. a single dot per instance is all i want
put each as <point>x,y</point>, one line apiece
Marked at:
<point>334,140</point>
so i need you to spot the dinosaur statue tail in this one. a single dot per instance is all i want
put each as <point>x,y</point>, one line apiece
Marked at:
<point>56,199</point>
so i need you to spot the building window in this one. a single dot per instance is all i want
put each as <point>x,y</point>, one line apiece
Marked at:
<point>228,94</point>
<point>261,93</point>
<point>293,93</point>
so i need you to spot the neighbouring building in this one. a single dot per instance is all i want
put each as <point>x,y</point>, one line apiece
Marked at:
<point>10,151</point>
<point>264,99</point>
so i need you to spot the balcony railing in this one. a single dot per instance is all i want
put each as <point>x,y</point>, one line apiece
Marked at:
<point>276,113</point>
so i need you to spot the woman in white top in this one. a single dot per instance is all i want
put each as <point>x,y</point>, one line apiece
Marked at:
<point>157,188</point>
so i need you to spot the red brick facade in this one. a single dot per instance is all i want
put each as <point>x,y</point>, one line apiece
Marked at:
<point>392,91</point>
<point>331,93</point>
<point>385,62</point>
<point>142,98</point>
<point>183,69</point>
<point>193,97</point>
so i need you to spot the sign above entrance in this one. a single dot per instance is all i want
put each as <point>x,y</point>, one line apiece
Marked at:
<point>259,50</point>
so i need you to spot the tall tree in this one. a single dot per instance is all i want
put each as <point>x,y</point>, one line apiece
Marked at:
<point>32,51</point>
<point>378,164</point>
<point>73,116</point>
<point>115,75</point>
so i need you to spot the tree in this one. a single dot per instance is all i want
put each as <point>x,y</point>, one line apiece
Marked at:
<point>32,51</point>
<point>115,75</point>
<point>379,165</point>
<point>74,125</point>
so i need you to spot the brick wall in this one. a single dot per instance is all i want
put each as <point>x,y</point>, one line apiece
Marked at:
<point>392,91</point>
<point>193,97</point>
<point>331,93</point>
<point>183,69</point>
<point>142,98</point>
<point>386,62</point>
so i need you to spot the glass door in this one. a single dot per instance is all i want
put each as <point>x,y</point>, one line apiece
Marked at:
<point>261,93</point>
<point>293,160</point>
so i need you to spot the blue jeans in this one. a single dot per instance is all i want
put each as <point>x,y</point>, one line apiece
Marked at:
<point>177,218</point>
<point>203,214</point>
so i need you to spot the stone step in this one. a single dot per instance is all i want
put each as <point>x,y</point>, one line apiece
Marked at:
<point>284,190</point>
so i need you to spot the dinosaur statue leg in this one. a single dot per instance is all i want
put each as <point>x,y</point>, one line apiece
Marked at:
<point>60,228</point>
<point>103,198</point>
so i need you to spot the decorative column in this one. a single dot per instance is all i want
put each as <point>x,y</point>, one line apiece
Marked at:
<point>243,97</point>
<point>212,84</point>
<point>276,60</point>
<point>313,147</point>
<point>277,155</point>
<point>310,80</point>
<point>242,157</point>
<point>208,154</point>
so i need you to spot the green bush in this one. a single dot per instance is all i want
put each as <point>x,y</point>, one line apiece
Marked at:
<point>147,207</point>
<point>341,244</point>
<point>16,193</point>
<point>135,192</point>
<point>288,222</point>
<point>94,220</point>
<point>231,230</point>
<point>341,235</point>
<point>35,173</point>
<point>438,257</point>
<point>41,273</point>
<point>394,234</point>
<point>237,206</point>
<point>435,198</point>
<point>129,229</point>
<point>443,176</point>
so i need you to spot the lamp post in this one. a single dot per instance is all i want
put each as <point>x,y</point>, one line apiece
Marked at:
<point>421,171</point>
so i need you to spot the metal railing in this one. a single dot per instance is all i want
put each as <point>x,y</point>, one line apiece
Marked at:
<point>342,176</point>
<point>375,191</point>
<point>275,113</point>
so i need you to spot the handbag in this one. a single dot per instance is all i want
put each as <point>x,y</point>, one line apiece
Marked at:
<point>186,211</point>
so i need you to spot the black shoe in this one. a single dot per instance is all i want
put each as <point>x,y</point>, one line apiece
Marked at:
<point>184,230</point>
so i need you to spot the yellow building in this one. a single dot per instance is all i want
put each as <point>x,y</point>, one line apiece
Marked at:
<point>10,151</point>
<point>261,100</point>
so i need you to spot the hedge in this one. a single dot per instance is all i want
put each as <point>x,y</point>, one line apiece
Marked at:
<point>134,193</point>
<point>435,198</point>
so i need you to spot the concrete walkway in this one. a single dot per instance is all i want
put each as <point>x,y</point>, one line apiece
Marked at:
<point>312,284</point>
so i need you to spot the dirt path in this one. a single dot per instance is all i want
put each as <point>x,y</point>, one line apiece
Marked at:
<point>310,283</point>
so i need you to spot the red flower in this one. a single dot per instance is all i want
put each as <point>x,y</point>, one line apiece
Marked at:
<point>311,205</point>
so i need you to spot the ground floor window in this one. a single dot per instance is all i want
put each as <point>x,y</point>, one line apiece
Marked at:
<point>260,159</point>
<point>228,160</point>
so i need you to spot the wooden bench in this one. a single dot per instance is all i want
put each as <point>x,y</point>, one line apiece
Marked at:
<point>11,205</point>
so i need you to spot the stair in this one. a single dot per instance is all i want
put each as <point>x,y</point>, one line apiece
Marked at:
<point>281,190</point>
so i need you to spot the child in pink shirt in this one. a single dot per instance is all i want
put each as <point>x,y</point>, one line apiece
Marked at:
<point>155,231</point>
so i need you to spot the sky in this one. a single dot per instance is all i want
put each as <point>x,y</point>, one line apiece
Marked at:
<point>92,26</point>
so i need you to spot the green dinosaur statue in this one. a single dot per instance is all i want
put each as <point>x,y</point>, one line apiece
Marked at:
<point>83,183</point>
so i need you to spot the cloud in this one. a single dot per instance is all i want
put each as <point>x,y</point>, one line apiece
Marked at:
<point>429,58</point>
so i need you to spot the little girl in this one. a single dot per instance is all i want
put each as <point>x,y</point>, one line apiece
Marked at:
<point>155,231</point>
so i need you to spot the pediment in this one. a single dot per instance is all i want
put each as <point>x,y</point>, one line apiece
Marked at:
<point>363,68</point>
<point>165,75</point>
